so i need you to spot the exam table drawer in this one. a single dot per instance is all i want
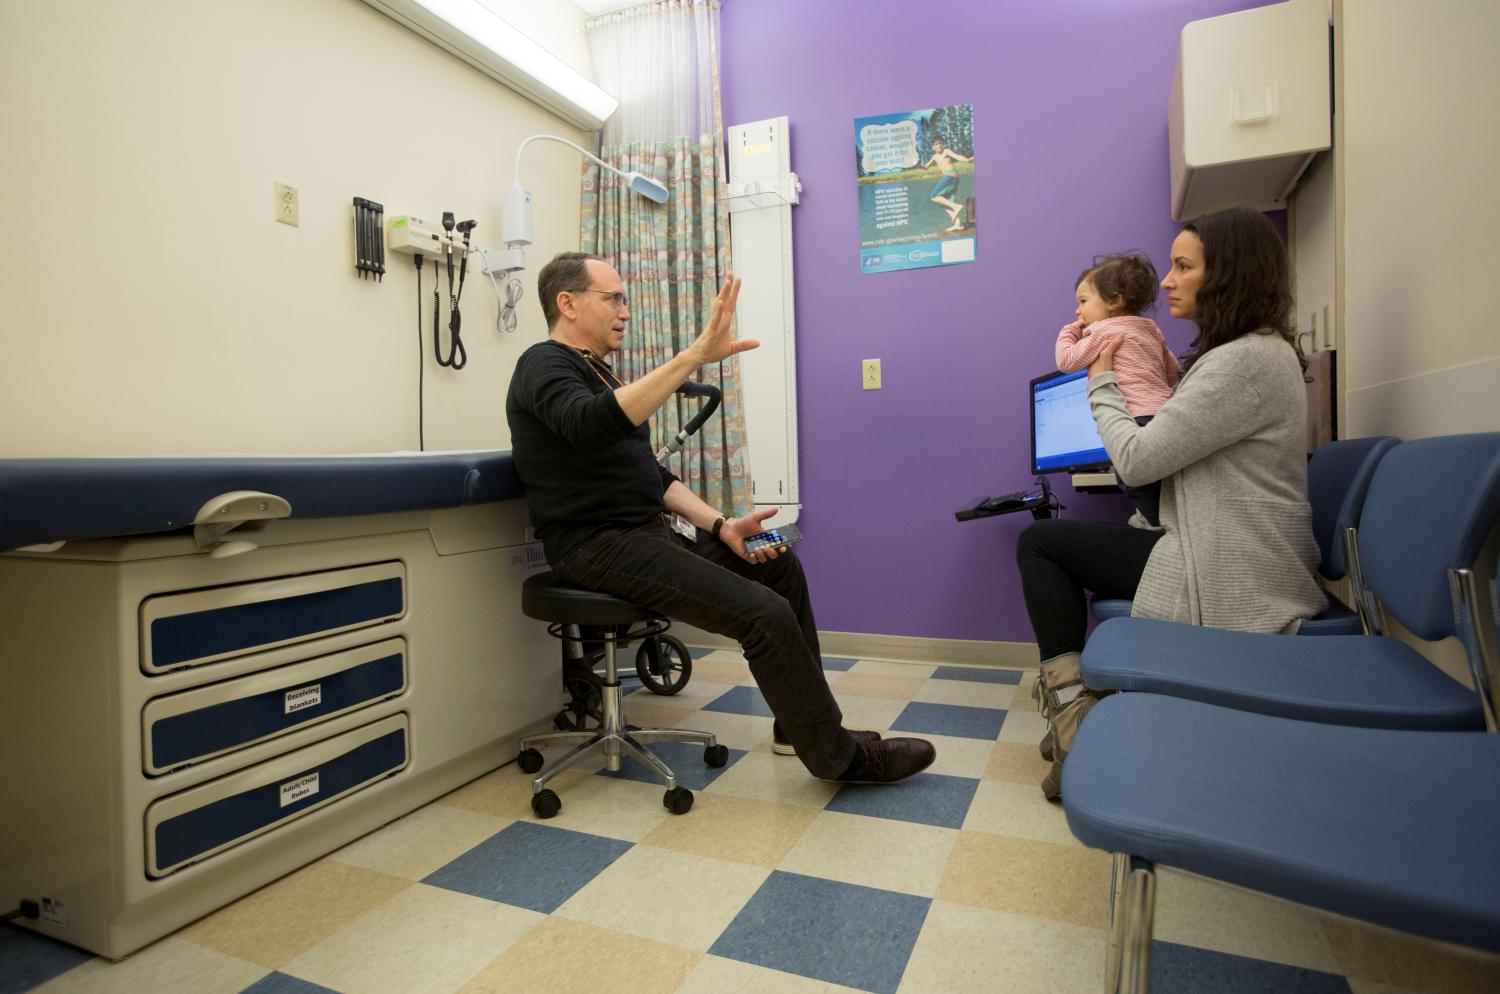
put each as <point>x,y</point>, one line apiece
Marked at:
<point>204,626</point>
<point>206,721</point>
<point>204,820</point>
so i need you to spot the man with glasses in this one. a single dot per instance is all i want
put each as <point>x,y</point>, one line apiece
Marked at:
<point>597,496</point>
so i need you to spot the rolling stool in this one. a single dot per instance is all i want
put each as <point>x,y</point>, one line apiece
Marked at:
<point>565,607</point>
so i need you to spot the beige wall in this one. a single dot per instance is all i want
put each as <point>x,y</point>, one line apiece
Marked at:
<point>1421,139</point>
<point>153,304</point>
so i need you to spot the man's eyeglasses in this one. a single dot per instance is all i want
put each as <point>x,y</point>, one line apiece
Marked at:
<point>619,300</point>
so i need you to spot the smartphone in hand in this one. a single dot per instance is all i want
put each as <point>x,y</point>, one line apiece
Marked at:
<point>774,538</point>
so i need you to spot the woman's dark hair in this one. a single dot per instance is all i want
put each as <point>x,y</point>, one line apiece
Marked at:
<point>1247,281</point>
<point>566,271</point>
<point>1128,275</point>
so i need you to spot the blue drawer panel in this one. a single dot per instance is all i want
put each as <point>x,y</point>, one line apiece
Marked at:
<point>205,829</point>
<point>214,632</point>
<point>180,738</point>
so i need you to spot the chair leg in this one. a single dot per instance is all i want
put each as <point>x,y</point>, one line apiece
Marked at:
<point>1127,968</point>
<point>611,740</point>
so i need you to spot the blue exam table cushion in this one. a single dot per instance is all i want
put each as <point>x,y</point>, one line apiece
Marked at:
<point>1340,679</point>
<point>52,500</point>
<point>1392,827</point>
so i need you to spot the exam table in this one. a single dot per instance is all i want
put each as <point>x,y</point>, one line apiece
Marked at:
<point>220,669</point>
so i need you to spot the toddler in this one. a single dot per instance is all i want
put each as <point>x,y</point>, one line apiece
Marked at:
<point>1113,296</point>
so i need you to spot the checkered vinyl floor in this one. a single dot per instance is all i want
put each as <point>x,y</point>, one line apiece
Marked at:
<point>960,880</point>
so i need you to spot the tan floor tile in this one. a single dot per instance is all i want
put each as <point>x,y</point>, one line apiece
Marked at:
<point>1016,762</point>
<point>1196,912</point>
<point>731,670</point>
<point>650,710</point>
<point>285,919</point>
<point>735,828</point>
<point>763,776</point>
<point>729,655</point>
<point>1387,957</point>
<point>873,852</point>
<point>171,966</point>
<point>428,838</point>
<point>978,951</point>
<point>426,940</point>
<point>965,694</point>
<point>891,667</point>
<point>553,957</point>
<point>608,806</point>
<point>1018,809</point>
<point>869,713</point>
<point>716,975</point>
<point>1022,725</point>
<point>1039,879</point>
<point>737,731</point>
<point>505,793</point>
<point>696,694</point>
<point>957,756</point>
<point>672,897</point>
<point>894,688</point>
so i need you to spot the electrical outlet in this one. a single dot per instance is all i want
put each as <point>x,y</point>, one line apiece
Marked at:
<point>871,374</point>
<point>286,204</point>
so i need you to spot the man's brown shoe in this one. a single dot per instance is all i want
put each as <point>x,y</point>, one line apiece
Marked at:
<point>889,760</point>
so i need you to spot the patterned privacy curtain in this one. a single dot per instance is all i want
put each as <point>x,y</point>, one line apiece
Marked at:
<point>662,61</point>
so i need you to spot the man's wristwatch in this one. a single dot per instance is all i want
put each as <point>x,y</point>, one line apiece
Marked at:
<point>717,525</point>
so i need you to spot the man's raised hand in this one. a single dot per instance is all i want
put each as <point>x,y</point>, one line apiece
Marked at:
<point>717,342</point>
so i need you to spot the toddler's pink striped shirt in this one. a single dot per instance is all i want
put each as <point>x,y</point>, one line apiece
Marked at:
<point>1145,367</point>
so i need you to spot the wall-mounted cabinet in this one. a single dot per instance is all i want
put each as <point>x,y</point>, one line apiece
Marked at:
<point>1251,106</point>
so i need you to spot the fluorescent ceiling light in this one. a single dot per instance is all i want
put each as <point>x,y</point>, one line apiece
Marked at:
<point>490,44</point>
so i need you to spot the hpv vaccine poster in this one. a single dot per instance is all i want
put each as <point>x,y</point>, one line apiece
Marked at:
<point>916,188</point>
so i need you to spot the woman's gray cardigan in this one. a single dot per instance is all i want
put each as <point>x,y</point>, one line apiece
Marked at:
<point>1229,448</point>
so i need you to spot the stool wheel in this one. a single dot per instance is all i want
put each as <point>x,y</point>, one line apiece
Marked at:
<point>678,800</point>
<point>716,755</point>
<point>546,803</point>
<point>663,664</point>
<point>529,761</point>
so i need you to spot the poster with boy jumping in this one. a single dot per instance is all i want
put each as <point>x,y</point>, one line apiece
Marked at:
<point>916,188</point>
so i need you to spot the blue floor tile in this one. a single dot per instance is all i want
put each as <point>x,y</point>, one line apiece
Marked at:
<point>950,719</point>
<point>529,866</point>
<point>684,759</point>
<point>31,960</point>
<point>836,932</point>
<point>741,700</point>
<point>1189,970</point>
<point>281,983</point>
<point>975,675</point>
<point>838,663</point>
<point>925,799</point>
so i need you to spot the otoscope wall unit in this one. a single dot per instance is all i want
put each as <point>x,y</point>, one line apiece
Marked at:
<point>411,235</point>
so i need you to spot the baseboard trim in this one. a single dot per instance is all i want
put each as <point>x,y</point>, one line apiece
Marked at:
<point>898,648</point>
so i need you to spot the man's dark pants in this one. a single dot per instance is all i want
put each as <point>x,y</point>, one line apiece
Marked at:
<point>765,607</point>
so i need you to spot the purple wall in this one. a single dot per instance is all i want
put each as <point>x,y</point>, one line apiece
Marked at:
<point>1070,101</point>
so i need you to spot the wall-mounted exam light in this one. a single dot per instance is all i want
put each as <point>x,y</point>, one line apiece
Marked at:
<point>515,225</point>
<point>484,40</point>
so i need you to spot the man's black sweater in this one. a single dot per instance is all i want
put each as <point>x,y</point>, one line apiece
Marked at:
<point>583,464</point>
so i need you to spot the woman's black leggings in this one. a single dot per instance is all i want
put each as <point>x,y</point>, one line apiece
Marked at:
<point>1059,560</point>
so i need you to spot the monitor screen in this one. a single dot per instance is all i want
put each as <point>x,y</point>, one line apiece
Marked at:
<point>1064,438</point>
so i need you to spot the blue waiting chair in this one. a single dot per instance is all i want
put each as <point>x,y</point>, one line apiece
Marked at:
<point>1431,505</point>
<point>1338,476</point>
<point>1392,827</point>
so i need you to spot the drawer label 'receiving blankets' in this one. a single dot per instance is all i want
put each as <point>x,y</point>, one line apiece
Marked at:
<point>304,697</point>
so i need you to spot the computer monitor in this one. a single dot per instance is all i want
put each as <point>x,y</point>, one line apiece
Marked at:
<point>1064,438</point>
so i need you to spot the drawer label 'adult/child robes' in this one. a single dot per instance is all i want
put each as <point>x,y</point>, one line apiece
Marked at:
<point>295,790</point>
